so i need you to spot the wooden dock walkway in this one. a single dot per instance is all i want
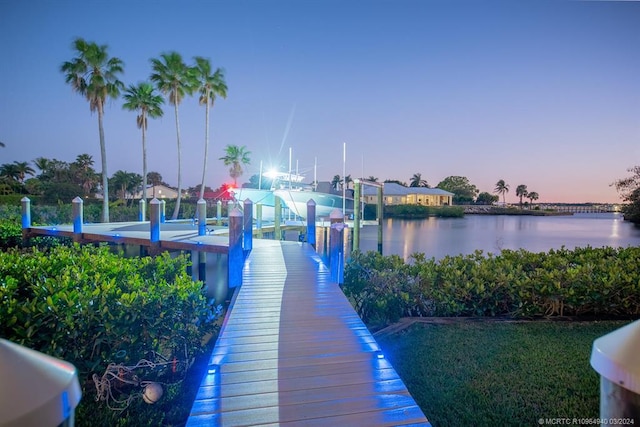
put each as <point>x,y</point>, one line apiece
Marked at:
<point>292,351</point>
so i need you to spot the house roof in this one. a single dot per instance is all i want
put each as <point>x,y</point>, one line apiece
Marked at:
<point>393,189</point>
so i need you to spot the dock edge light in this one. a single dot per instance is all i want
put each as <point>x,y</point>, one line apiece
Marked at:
<point>212,369</point>
<point>615,357</point>
<point>36,390</point>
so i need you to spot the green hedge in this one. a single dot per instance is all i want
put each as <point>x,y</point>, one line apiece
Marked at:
<point>603,282</point>
<point>84,304</point>
<point>418,211</point>
<point>91,307</point>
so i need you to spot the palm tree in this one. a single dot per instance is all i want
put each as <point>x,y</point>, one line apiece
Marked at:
<point>211,86</point>
<point>372,178</point>
<point>94,75</point>
<point>154,178</point>
<point>336,182</point>
<point>348,180</point>
<point>521,191</point>
<point>42,163</point>
<point>417,181</point>
<point>174,79</point>
<point>142,98</point>
<point>532,195</point>
<point>23,169</point>
<point>501,188</point>
<point>9,171</point>
<point>83,173</point>
<point>235,157</point>
<point>127,182</point>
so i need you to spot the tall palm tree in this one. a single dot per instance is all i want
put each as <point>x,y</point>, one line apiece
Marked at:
<point>94,75</point>
<point>143,99</point>
<point>417,181</point>
<point>521,191</point>
<point>23,169</point>
<point>175,79</point>
<point>210,87</point>
<point>236,157</point>
<point>532,195</point>
<point>154,178</point>
<point>501,188</point>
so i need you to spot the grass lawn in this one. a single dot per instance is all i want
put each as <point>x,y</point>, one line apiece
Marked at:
<point>492,373</point>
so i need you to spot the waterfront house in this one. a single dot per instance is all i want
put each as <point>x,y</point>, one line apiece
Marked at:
<point>159,191</point>
<point>396,194</point>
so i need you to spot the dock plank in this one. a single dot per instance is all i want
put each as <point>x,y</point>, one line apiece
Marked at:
<point>293,351</point>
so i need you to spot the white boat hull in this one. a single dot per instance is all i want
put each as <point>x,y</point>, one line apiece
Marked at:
<point>294,200</point>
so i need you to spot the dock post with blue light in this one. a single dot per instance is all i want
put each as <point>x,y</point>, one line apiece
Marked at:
<point>357,213</point>
<point>236,253</point>
<point>77,219</point>
<point>26,217</point>
<point>336,246</point>
<point>248,225</point>
<point>311,223</point>
<point>155,208</point>
<point>142,210</point>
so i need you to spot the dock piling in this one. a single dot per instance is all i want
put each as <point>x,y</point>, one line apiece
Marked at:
<point>142,210</point>
<point>336,246</point>
<point>277,233</point>
<point>236,255</point>
<point>248,225</point>
<point>202,217</point>
<point>26,212</point>
<point>77,204</point>
<point>155,208</point>
<point>356,214</point>
<point>311,223</point>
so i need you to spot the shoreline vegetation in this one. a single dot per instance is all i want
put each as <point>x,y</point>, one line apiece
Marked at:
<point>421,212</point>
<point>497,210</point>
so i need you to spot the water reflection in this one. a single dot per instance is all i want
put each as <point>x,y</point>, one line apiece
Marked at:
<point>438,237</point>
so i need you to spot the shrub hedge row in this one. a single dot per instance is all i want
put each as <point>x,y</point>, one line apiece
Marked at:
<point>602,282</point>
<point>417,211</point>
<point>91,307</point>
<point>84,304</point>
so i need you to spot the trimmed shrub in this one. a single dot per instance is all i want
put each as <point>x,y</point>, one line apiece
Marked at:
<point>418,211</point>
<point>602,282</point>
<point>91,307</point>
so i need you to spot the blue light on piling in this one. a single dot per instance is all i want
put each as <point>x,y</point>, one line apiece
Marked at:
<point>212,369</point>
<point>379,355</point>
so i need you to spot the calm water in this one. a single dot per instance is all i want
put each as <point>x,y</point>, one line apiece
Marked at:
<point>438,237</point>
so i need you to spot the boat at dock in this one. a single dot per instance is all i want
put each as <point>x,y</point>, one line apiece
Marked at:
<point>294,195</point>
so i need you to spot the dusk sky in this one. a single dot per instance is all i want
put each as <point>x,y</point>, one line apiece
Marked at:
<point>541,93</point>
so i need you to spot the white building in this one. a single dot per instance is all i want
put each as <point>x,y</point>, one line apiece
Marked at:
<point>396,194</point>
